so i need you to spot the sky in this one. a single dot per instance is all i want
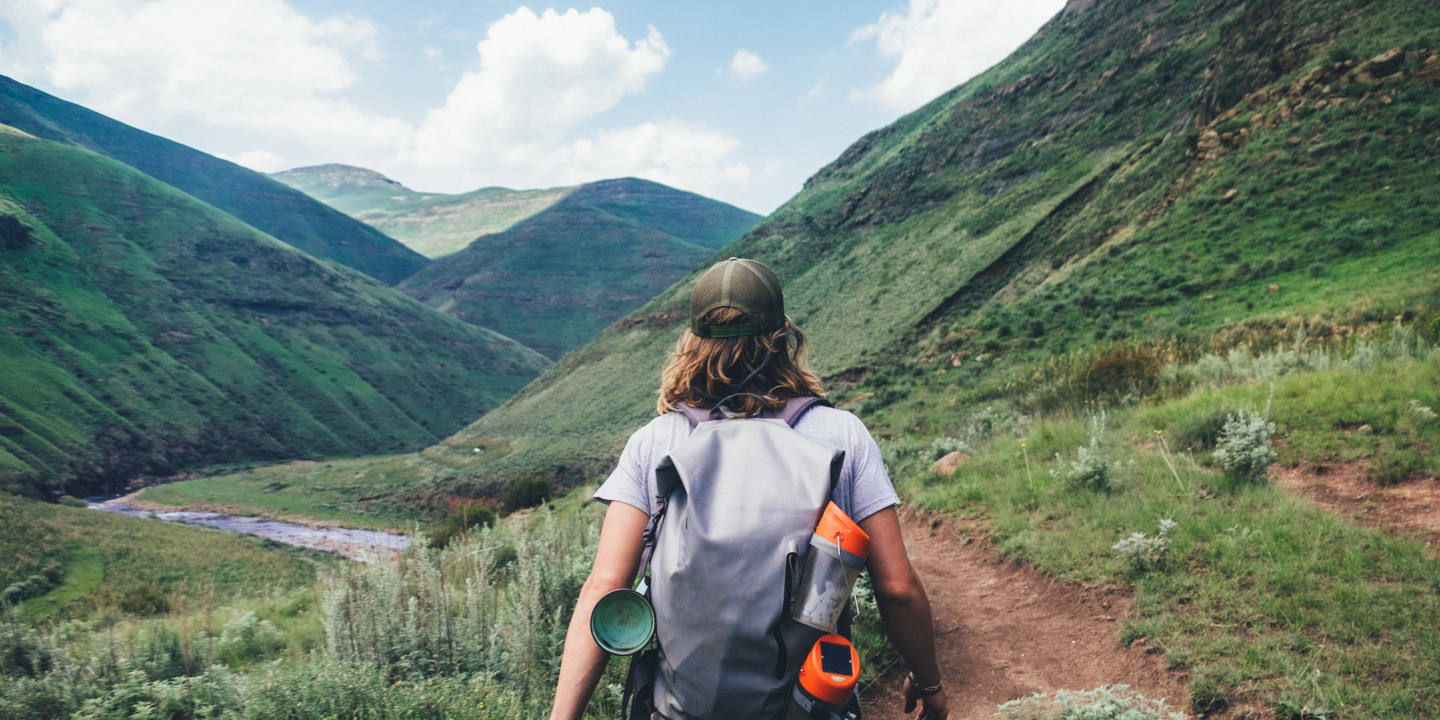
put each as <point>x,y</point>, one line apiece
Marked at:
<point>740,101</point>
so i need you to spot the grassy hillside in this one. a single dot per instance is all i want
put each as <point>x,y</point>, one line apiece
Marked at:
<point>555,279</point>
<point>256,199</point>
<point>142,332</point>
<point>110,560</point>
<point>432,224</point>
<point>1195,173</point>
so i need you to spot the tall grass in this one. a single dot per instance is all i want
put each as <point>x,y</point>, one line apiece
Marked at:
<point>471,631</point>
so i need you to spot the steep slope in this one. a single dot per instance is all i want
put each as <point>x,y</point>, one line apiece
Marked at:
<point>1138,172</point>
<point>555,279</point>
<point>261,202</point>
<point>142,331</point>
<point>432,224</point>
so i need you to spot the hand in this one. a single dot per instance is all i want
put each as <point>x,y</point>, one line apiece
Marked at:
<point>932,707</point>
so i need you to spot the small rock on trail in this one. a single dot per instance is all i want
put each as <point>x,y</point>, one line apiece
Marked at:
<point>1005,630</point>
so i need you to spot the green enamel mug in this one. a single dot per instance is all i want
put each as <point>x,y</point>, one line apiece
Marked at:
<point>623,622</point>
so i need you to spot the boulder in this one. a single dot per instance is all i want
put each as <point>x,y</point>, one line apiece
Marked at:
<point>946,466</point>
<point>1386,62</point>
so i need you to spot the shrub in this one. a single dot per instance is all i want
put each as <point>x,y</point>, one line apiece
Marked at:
<point>1198,430</point>
<point>458,523</point>
<point>1090,470</point>
<point>524,493</point>
<point>143,599</point>
<point>1142,553</point>
<point>24,652</point>
<point>248,638</point>
<point>1422,413</point>
<point>945,445</point>
<point>1111,702</point>
<point>1395,465</point>
<point>1243,450</point>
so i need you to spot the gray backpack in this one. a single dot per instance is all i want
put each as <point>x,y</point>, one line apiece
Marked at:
<point>736,505</point>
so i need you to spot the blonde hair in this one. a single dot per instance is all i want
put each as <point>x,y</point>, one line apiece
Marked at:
<point>717,365</point>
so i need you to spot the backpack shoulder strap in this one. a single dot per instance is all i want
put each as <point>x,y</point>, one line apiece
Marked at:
<point>796,407</point>
<point>693,415</point>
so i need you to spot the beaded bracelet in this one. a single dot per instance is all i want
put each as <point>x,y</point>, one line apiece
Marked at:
<point>921,690</point>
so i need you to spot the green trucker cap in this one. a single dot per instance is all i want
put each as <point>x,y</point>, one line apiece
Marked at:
<point>747,286</point>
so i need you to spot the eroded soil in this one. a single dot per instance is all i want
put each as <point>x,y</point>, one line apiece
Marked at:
<point>1006,630</point>
<point>1411,508</point>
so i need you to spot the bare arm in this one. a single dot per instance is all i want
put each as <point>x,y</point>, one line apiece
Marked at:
<point>616,562</point>
<point>904,610</point>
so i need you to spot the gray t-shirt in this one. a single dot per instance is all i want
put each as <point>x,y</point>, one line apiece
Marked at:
<point>864,486</point>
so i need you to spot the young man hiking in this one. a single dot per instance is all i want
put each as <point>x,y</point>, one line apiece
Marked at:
<point>740,358</point>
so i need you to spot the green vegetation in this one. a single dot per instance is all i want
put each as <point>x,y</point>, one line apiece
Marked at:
<point>485,621</point>
<point>1107,703</point>
<point>107,560</point>
<point>554,280</point>
<point>1076,196</point>
<point>145,332</point>
<point>257,200</point>
<point>1199,219</point>
<point>469,517</point>
<point>432,224</point>
<point>1257,595</point>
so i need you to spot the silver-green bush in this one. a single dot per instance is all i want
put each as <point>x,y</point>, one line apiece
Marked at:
<point>1243,451</point>
<point>1143,553</point>
<point>1090,470</point>
<point>1111,702</point>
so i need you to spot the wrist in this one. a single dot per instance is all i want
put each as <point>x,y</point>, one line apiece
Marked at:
<point>924,690</point>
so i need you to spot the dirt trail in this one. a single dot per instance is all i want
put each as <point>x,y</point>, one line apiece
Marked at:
<point>1006,630</point>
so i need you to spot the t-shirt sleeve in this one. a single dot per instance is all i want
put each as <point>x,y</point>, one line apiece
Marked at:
<point>630,481</point>
<point>871,490</point>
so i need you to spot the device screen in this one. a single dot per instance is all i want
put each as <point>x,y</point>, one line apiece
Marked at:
<point>835,659</point>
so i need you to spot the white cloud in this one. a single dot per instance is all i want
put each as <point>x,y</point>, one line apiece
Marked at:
<point>942,43</point>
<point>528,114</point>
<point>431,52</point>
<point>248,64</point>
<point>260,161</point>
<point>539,77</point>
<point>747,64</point>
<point>816,92</point>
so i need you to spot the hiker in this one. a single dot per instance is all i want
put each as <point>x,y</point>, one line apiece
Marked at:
<point>740,341</point>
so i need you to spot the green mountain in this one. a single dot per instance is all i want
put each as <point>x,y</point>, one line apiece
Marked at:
<point>1191,175</point>
<point>432,224</point>
<point>143,332</point>
<point>261,202</point>
<point>554,280</point>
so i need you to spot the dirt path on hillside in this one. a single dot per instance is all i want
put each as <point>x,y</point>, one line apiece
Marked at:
<point>1006,630</point>
<point>1409,508</point>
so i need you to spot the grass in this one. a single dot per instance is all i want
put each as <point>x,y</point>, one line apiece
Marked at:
<point>485,621</point>
<point>1265,597</point>
<point>259,201</point>
<point>105,554</point>
<point>554,280</point>
<point>432,224</point>
<point>376,493</point>
<point>148,333</point>
<point>84,573</point>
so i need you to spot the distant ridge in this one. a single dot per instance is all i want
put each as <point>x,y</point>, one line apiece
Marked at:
<point>432,224</point>
<point>143,332</point>
<point>263,203</point>
<point>556,278</point>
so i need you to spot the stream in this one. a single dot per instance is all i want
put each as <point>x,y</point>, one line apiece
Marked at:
<point>360,545</point>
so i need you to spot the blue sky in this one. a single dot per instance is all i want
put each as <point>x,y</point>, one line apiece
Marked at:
<point>740,101</point>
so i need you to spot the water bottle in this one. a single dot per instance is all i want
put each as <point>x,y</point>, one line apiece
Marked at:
<point>826,682</point>
<point>838,550</point>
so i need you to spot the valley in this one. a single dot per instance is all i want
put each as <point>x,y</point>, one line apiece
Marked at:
<point>1145,319</point>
